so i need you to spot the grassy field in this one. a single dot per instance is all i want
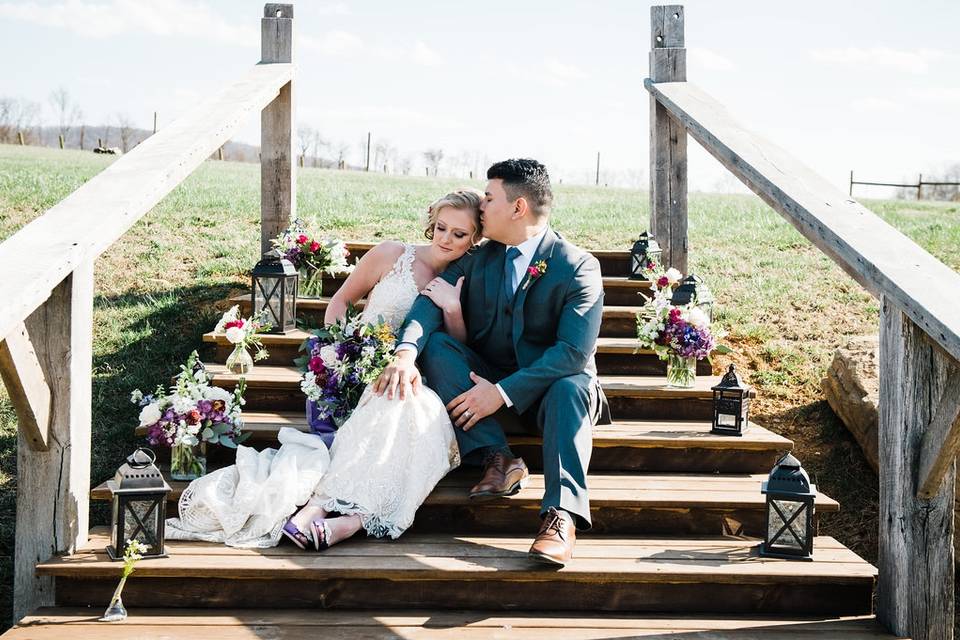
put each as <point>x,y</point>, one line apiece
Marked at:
<point>785,305</point>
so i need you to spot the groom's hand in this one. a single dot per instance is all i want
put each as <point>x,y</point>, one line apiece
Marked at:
<point>400,374</point>
<point>476,404</point>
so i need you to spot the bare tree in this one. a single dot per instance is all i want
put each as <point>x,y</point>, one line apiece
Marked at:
<point>406,165</point>
<point>67,112</point>
<point>9,112</point>
<point>319,143</point>
<point>27,118</point>
<point>83,132</point>
<point>126,131</point>
<point>433,157</point>
<point>342,148</point>
<point>304,141</point>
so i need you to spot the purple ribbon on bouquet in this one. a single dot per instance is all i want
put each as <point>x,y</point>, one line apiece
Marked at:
<point>321,426</point>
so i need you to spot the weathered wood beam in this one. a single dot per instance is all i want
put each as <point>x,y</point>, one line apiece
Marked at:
<point>883,260</point>
<point>97,214</point>
<point>668,139</point>
<point>27,386</point>
<point>53,486</point>
<point>941,439</point>
<point>278,178</point>
<point>915,588</point>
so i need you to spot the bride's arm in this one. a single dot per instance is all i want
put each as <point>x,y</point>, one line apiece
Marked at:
<point>362,279</point>
<point>447,298</point>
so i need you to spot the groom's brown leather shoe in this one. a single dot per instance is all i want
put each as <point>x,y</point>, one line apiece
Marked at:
<point>554,543</point>
<point>502,476</point>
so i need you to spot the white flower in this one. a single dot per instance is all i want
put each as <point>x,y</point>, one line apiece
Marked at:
<point>235,335</point>
<point>216,393</point>
<point>232,314</point>
<point>182,405</point>
<point>150,414</point>
<point>673,276</point>
<point>369,351</point>
<point>698,318</point>
<point>329,356</point>
<point>136,396</point>
<point>309,386</point>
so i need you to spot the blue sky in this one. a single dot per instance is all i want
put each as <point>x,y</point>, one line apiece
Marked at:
<point>870,86</point>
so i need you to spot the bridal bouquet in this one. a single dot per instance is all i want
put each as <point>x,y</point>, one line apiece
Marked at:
<point>340,360</point>
<point>243,334</point>
<point>681,335</point>
<point>312,257</point>
<point>192,413</point>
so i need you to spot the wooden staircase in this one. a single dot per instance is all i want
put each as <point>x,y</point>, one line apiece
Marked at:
<point>677,517</point>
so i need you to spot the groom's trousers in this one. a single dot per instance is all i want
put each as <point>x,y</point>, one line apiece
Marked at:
<point>564,415</point>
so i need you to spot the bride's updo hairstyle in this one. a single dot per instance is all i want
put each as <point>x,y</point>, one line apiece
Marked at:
<point>466,198</point>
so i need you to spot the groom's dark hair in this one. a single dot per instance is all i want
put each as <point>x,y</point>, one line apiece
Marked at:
<point>526,178</point>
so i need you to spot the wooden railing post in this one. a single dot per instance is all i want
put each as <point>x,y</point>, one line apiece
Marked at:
<point>278,178</point>
<point>915,590</point>
<point>668,139</point>
<point>53,486</point>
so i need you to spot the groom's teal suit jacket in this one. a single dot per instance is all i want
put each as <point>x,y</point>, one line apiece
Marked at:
<point>556,317</point>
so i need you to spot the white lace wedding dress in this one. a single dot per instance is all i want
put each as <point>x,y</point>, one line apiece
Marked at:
<point>385,459</point>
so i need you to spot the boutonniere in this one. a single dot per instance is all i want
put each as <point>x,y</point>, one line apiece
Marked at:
<point>534,272</point>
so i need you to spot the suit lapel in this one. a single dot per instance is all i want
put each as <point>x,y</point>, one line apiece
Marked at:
<point>544,252</point>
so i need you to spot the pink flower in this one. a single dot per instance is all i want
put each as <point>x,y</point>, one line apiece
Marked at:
<point>302,239</point>
<point>662,282</point>
<point>674,315</point>
<point>316,364</point>
<point>533,272</point>
<point>234,323</point>
<point>314,246</point>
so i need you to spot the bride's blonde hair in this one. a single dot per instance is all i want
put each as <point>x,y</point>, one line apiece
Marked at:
<point>466,198</point>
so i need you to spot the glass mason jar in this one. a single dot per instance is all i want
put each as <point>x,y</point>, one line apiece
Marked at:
<point>681,372</point>
<point>187,462</point>
<point>239,361</point>
<point>310,283</point>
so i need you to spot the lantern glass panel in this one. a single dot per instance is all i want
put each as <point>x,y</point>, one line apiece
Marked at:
<point>289,313</point>
<point>142,521</point>
<point>267,296</point>
<point>786,540</point>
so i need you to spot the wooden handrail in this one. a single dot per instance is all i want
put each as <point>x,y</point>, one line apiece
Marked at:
<point>44,252</point>
<point>882,259</point>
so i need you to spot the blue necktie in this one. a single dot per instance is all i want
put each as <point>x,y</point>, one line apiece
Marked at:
<point>509,273</point>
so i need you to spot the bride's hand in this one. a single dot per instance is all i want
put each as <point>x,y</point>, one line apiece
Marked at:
<point>443,294</point>
<point>402,373</point>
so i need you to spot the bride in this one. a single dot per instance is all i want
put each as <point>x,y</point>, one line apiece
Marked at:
<point>390,453</point>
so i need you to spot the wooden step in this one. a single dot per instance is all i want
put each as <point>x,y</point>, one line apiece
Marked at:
<point>614,263</point>
<point>644,504</point>
<point>74,623</point>
<point>627,445</point>
<point>618,321</point>
<point>277,388</point>
<point>690,575</point>
<point>616,356</point>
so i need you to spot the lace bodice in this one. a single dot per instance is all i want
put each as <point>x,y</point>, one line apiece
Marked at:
<point>392,297</point>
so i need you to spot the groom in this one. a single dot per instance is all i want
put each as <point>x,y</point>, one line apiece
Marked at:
<point>532,303</point>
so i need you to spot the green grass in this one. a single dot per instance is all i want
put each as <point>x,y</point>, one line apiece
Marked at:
<point>785,305</point>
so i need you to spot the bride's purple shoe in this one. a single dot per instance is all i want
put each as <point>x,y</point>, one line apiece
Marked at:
<point>321,534</point>
<point>298,537</point>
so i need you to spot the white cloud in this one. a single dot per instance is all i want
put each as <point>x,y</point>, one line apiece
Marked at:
<point>710,60</point>
<point>941,96</point>
<point>917,61</point>
<point>559,74</point>
<point>875,105</point>
<point>110,18</point>
<point>422,54</point>
<point>333,43</point>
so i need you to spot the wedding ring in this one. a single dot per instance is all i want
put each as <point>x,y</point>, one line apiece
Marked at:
<point>467,413</point>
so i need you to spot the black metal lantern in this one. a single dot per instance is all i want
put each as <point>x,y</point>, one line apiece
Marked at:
<point>275,291</point>
<point>790,511</point>
<point>139,495</point>
<point>731,404</point>
<point>694,290</point>
<point>644,257</point>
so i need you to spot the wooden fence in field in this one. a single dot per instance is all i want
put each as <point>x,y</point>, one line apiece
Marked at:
<point>919,323</point>
<point>47,288</point>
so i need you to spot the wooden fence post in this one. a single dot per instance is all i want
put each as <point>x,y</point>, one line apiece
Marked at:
<point>668,139</point>
<point>53,486</point>
<point>915,591</point>
<point>278,177</point>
